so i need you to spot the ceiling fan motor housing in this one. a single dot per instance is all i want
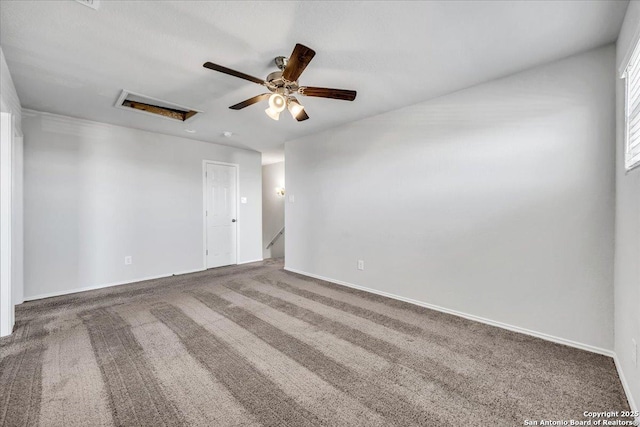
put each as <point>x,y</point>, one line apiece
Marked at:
<point>276,83</point>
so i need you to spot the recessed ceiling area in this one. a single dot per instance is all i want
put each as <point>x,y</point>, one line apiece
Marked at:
<point>69,59</point>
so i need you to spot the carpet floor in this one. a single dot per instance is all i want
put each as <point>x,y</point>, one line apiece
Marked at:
<point>254,345</point>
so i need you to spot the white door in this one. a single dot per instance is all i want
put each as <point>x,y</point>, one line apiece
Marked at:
<point>220,214</point>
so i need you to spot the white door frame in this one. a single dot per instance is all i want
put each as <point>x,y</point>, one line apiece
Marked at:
<point>204,208</point>
<point>6,184</point>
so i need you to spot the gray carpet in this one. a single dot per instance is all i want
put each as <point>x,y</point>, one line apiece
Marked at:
<point>254,345</point>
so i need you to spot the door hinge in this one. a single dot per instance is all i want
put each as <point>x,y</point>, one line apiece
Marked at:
<point>206,213</point>
<point>207,252</point>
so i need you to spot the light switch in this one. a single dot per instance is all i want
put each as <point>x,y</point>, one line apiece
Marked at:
<point>243,200</point>
<point>292,199</point>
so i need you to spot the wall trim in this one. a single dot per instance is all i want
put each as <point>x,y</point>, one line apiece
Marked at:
<point>107,285</point>
<point>7,306</point>
<point>249,262</point>
<point>125,282</point>
<point>486,321</point>
<point>625,385</point>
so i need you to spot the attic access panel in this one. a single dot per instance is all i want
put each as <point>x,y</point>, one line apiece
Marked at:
<point>132,101</point>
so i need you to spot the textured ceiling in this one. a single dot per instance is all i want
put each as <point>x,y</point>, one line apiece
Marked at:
<point>69,59</point>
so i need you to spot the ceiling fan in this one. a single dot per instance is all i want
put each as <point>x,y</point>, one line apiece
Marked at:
<point>283,85</point>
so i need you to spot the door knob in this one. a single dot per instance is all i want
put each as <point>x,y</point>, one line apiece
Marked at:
<point>233,220</point>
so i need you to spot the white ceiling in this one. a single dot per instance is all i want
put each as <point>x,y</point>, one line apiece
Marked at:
<point>69,59</point>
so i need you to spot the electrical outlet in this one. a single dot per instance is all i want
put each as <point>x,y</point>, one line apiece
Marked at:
<point>128,260</point>
<point>634,352</point>
<point>360,264</point>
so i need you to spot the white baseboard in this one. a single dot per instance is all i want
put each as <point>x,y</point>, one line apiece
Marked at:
<point>625,385</point>
<point>126,282</point>
<point>249,262</point>
<point>107,285</point>
<point>513,328</point>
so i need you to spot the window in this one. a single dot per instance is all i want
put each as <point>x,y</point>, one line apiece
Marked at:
<point>632,109</point>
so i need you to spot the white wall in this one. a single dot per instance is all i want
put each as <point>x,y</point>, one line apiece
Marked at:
<point>11,255</point>
<point>95,193</point>
<point>496,201</point>
<point>272,209</point>
<point>627,249</point>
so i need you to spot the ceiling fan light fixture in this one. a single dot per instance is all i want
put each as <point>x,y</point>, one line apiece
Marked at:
<point>277,102</point>
<point>275,115</point>
<point>295,108</point>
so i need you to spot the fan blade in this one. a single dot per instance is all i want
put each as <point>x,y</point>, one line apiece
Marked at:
<point>298,61</point>
<point>220,68</point>
<point>250,101</point>
<point>302,116</point>
<point>323,92</point>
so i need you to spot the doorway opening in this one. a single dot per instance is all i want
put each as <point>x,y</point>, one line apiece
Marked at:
<point>274,195</point>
